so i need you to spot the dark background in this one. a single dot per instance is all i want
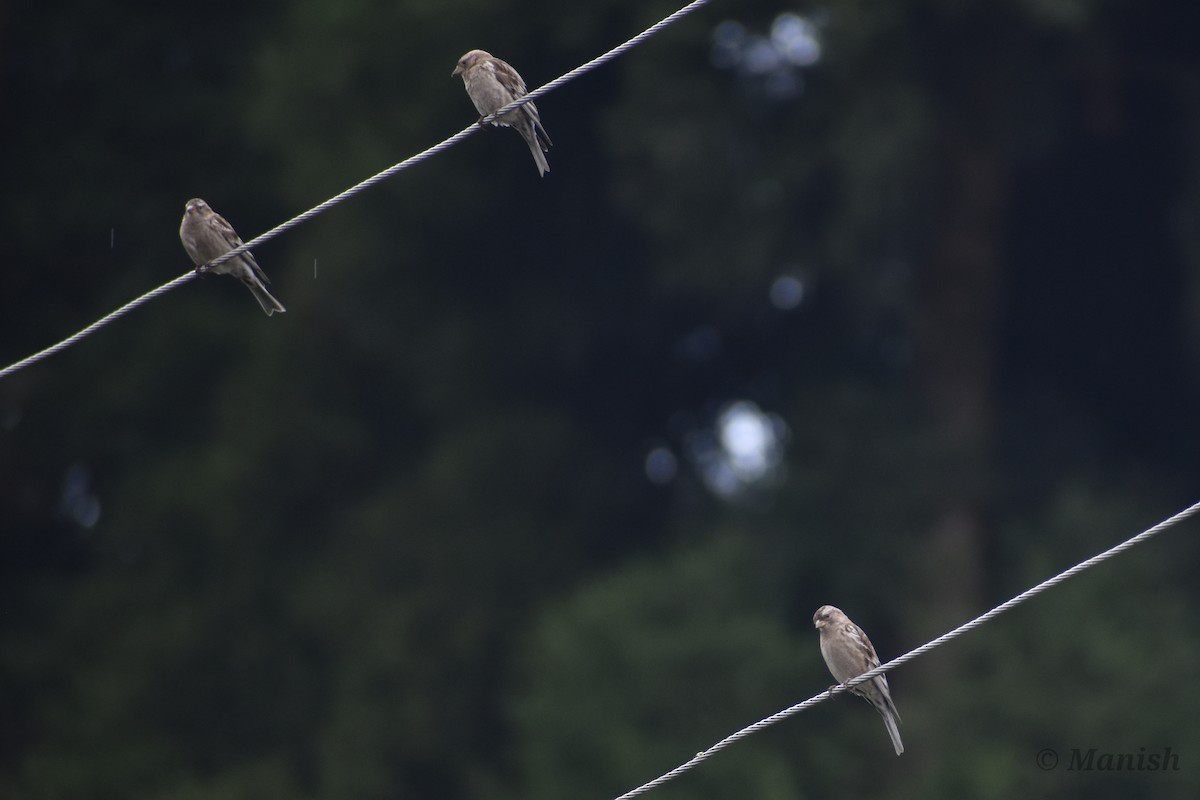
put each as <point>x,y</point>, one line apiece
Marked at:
<point>534,489</point>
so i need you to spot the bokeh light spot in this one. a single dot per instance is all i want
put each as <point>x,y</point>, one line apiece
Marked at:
<point>744,449</point>
<point>661,465</point>
<point>796,39</point>
<point>787,292</point>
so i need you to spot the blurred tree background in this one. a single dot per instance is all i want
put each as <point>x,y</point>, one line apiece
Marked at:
<point>536,486</point>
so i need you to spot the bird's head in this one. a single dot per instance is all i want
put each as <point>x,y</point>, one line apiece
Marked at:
<point>469,60</point>
<point>196,208</point>
<point>826,615</point>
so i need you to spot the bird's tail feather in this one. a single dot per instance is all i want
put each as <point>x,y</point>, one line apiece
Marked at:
<point>889,721</point>
<point>265,299</point>
<point>542,137</point>
<point>539,157</point>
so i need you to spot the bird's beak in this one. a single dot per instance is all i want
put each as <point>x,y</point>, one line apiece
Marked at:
<point>457,71</point>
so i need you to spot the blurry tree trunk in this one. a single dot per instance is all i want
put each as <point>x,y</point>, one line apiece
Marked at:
<point>958,299</point>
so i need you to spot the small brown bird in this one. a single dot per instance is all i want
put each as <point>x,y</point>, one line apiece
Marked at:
<point>492,84</point>
<point>849,653</point>
<point>206,235</point>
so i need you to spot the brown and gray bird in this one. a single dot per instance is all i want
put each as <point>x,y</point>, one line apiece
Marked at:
<point>492,84</point>
<point>206,235</point>
<point>849,653</point>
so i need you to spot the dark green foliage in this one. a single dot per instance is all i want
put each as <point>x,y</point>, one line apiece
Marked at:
<point>400,541</point>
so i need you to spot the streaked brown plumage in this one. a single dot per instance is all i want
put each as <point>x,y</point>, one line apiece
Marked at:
<point>849,653</point>
<point>492,84</point>
<point>206,235</point>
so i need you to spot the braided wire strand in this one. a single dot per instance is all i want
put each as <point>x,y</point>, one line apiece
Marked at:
<point>966,627</point>
<point>300,219</point>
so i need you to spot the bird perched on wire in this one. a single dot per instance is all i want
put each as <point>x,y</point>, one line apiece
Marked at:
<point>206,235</point>
<point>492,84</point>
<point>849,653</point>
